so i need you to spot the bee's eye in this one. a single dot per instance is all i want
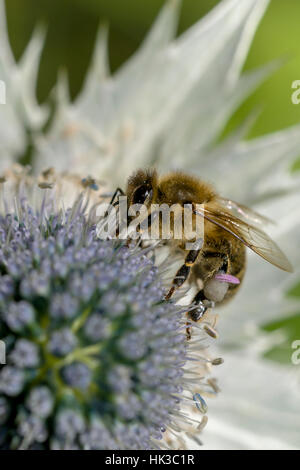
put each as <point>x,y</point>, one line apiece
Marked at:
<point>141,194</point>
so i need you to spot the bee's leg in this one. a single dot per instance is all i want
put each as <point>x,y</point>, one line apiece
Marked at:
<point>114,203</point>
<point>183,272</point>
<point>200,308</point>
<point>200,302</point>
<point>117,191</point>
<point>200,299</point>
<point>195,313</point>
<point>139,230</point>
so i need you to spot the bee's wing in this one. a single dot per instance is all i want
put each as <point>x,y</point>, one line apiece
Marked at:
<point>251,236</point>
<point>243,212</point>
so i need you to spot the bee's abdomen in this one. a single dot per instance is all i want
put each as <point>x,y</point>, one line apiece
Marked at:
<point>237,259</point>
<point>237,268</point>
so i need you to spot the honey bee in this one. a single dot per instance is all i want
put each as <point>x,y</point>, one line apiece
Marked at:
<point>217,268</point>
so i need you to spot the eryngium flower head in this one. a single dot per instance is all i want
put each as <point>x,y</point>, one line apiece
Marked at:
<point>95,357</point>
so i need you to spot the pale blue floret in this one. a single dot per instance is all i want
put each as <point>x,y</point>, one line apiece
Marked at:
<point>77,375</point>
<point>40,401</point>
<point>62,342</point>
<point>25,354</point>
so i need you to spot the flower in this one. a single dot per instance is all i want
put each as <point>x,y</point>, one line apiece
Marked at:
<point>95,358</point>
<point>166,107</point>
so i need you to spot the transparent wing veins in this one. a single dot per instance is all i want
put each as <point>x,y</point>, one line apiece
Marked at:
<point>252,237</point>
<point>244,212</point>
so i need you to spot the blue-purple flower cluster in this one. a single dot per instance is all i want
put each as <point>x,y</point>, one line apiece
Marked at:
<point>94,356</point>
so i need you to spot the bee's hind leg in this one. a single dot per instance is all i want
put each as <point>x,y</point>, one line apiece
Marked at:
<point>201,304</point>
<point>183,272</point>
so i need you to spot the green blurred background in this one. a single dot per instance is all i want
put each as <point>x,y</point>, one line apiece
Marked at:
<point>71,30</point>
<point>72,25</point>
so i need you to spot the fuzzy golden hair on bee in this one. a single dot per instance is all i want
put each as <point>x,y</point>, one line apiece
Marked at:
<point>174,188</point>
<point>181,188</point>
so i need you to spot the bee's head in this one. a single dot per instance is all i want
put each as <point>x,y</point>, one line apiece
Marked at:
<point>142,187</point>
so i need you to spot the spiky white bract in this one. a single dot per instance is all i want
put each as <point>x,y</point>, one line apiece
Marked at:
<point>167,105</point>
<point>263,417</point>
